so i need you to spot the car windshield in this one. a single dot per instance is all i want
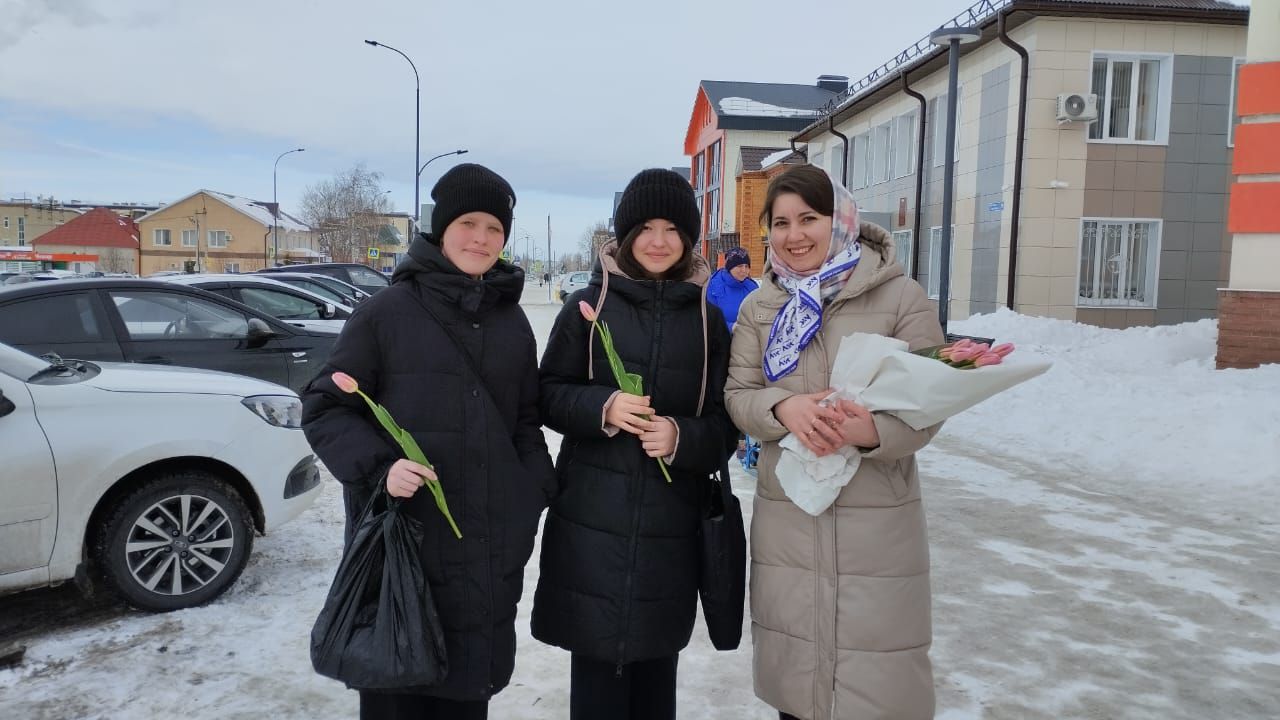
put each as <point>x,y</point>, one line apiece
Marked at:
<point>19,364</point>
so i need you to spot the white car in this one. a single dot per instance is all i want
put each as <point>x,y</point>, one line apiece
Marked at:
<point>152,478</point>
<point>572,283</point>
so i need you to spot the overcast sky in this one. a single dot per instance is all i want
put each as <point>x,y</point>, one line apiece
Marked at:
<point>114,100</point>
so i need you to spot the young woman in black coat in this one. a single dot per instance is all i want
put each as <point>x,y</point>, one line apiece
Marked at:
<point>482,433</point>
<point>619,565</point>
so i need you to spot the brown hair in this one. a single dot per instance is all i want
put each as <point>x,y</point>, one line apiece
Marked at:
<point>628,264</point>
<point>809,182</point>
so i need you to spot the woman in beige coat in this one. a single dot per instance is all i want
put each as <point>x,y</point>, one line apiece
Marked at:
<point>839,602</point>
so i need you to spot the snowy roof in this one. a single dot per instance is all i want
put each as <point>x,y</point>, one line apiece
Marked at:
<point>765,99</point>
<point>257,209</point>
<point>780,156</point>
<point>753,157</point>
<point>755,108</point>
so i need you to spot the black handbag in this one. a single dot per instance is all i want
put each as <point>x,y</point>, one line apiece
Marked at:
<point>722,577</point>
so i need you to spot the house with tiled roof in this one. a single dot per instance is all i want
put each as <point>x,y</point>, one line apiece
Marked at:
<point>220,232</point>
<point>729,116</point>
<point>99,240</point>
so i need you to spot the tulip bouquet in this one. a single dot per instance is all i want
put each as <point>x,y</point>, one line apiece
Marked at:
<point>920,388</point>
<point>629,383</point>
<point>348,384</point>
<point>965,354</point>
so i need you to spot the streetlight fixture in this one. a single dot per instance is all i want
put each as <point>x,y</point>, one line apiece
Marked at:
<point>455,152</point>
<point>275,208</point>
<point>951,38</point>
<point>417,122</point>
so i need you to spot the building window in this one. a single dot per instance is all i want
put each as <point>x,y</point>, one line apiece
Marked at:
<point>160,237</point>
<point>699,167</point>
<point>881,140</point>
<point>713,212</point>
<point>6,221</point>
<point>935,259</point>
<point>231,267</point>
<point>188,238</point>
<point>902,248</point>
<point>818,159</point>
<point>218,238</point>
<point>1133,98</point>
<point>940,128</point>
<point>904,133</point>
<point>1232,116</point>
<point>1118,263</point>
<point>715,164</point>
<point>837,164</point>
<point>22,231</point>
<point>861,148</point>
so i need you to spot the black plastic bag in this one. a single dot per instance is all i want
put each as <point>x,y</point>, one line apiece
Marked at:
<point>722,578</point>
<point>379,629</point>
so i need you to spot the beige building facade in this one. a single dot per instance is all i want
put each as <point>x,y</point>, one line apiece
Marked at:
<point>22,221</point>
<point>218,232</point>
<point>1117,222</point>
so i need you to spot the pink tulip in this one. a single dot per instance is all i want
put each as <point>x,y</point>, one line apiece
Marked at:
<point>587,311</point>
<point>345,382</point>
<point>964,354</point>
<point>1003,349</point>
<point>985,359</point>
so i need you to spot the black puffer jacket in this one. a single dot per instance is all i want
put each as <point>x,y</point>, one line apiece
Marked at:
<point>491,458</point>
<point>619,566</point>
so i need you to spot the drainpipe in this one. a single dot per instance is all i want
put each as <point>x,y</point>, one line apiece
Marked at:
<point>919,213</point>
<point>1017,156</point>
<point>844,165</point>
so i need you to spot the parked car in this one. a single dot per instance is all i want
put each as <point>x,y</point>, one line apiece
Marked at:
<point>329,287</point>
<point>362,276</point>
<point>160,323</point>
<point>29,277</point>
<point>293,305</point>
<point>115,472</point>
<point>572,283</point>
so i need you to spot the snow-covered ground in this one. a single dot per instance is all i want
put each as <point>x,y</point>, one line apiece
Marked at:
<point>1105,545</point>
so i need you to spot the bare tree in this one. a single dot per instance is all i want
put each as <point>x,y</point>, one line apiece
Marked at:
<point>593,238</point>
<point>116,260</point>
<point>344,212</point>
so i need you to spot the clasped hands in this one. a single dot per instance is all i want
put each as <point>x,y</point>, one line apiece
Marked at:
<point>823,429</point>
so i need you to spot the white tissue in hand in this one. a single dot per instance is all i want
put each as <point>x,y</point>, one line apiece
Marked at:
<point>813,482</point>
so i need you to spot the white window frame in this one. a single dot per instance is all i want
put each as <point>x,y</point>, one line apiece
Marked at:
<point>1164,99</point>
<point>231,267</point>
<point>939,130</point>
<point>837,163</point>
<point>158,233</point>
<point>216,234</point>
<point>902,246</point>
<point>190,234</point>
<point>1236,64</point>
<point>6,221</point>
<point>861,147</point>
<point>1152,262</point>
<point>22,231</point>
<point>882,139</point>
<point>902,148</point>
<point>935,260</point>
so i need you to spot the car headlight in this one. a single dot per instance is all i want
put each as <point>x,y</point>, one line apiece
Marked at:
<point>279,410</point>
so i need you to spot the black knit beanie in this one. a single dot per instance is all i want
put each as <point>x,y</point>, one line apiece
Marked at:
<point>471,188</point>
<point>658,193</point>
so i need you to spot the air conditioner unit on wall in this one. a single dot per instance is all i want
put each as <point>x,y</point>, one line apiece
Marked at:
<point>1077,107</point>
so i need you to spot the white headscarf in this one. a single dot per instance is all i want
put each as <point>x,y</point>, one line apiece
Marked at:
<point>801,318</point>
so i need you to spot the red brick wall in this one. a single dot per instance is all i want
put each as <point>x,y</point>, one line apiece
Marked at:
<point>1248,328</point>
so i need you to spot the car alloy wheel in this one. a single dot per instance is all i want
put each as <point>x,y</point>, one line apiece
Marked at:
<point>177,541</point>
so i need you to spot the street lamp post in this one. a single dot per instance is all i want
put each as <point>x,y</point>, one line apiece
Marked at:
<point>417,122</point>
<point>275,208</point>
<point>950,38</point>
<point>428,162</point>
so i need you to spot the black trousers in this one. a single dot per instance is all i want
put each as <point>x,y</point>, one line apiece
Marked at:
<point>784,716</point>
<point>379,706</point>
<point>645,690</point>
